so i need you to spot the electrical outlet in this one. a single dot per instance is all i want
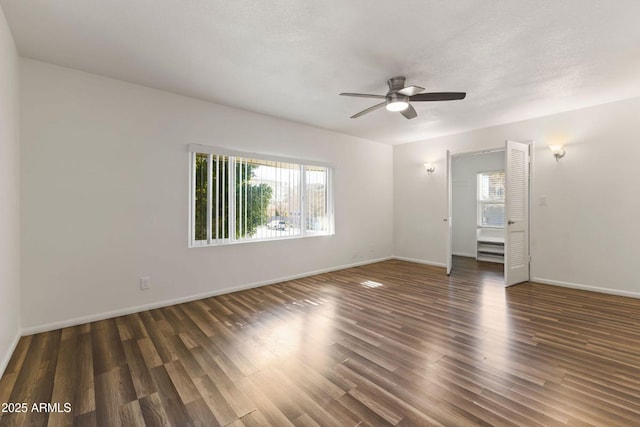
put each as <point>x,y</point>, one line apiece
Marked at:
<point>145,283</point>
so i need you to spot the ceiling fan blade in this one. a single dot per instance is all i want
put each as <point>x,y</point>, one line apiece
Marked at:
<point>363,95</point>
<point>368,110</point>
<point>409,112</point>
<point>411,90</point>
<point>438,96</point>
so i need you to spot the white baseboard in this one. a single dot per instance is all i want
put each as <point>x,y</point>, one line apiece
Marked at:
<point>136,309</point>
<point>7,356</point>
<point>586,287</point>
<point>420,261</point>
<point>473,255</point>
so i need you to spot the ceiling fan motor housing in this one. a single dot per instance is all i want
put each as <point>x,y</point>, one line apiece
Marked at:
<point>395,100</point>
<point>396,84</point>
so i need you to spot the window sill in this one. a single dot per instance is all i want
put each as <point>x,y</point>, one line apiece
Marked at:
<point>273,239</point>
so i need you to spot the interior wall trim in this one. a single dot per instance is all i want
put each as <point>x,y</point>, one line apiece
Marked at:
<point>136,309</point>
<point>580,286</point>
<point>165,303</point>
<point>464,254</point>
<point>4,362</point>
<point>421,261</point>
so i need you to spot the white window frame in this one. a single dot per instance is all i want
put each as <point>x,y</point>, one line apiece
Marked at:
<point>212,152</point>
<point>480,203</point>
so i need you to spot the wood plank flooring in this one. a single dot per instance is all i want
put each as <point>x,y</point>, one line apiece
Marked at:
<point>392,343</point>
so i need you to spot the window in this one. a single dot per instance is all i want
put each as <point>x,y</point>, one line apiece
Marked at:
<point>491,199</point>
<point>238,197</point>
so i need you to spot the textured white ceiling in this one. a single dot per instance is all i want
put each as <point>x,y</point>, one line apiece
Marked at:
<point>516,59</point>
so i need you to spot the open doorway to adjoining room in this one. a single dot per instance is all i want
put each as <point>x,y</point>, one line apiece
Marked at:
<point>477,211</point>
<point>488,208</point>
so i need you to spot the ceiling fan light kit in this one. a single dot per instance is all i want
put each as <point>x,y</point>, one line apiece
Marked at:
<point>399,98</point>
<point>397,102</point>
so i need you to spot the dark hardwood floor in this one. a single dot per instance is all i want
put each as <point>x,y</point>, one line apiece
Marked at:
<point>392,343</point>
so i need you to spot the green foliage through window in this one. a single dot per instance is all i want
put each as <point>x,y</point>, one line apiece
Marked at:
<point>238,199</point>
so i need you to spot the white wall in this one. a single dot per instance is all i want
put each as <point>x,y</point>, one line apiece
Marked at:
<point>420,199</point>
<point>587,234</point>
<point>9,195</point>
<point>104,197</point>
<point>105,179</point>
<point>464,186</point>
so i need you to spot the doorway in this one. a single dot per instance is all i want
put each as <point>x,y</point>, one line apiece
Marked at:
<point>488,209</point>
<point>479,273</point>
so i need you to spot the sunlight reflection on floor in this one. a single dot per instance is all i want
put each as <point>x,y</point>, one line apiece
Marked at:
<point>371,284</point>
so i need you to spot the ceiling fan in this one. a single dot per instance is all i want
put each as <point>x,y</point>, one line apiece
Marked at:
<point>399,97</point>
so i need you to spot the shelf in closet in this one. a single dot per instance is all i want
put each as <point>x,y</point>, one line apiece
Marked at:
<point>490,244</point>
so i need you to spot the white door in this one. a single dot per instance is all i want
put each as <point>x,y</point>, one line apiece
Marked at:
<point>516,244</point>
<point>449,216</point>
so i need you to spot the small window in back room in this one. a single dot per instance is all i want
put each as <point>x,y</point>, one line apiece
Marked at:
<point>491,199</point>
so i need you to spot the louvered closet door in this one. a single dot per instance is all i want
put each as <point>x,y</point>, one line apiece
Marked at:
<point>516,263</point>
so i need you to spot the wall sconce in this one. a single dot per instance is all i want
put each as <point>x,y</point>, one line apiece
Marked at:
<point>557,150</point>
<point>430,167</point>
